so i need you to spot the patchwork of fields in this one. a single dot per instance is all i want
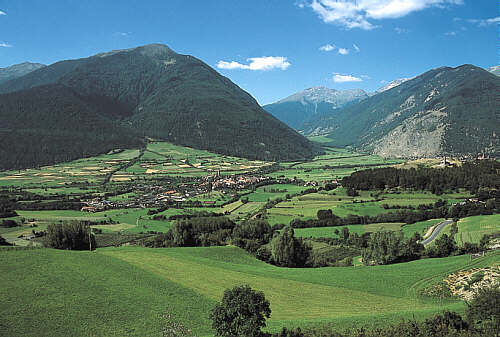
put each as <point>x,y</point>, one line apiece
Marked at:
<point>124,291</point>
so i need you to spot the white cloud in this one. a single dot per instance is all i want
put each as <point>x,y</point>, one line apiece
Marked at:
<point>338,78</point>
<point>452,33</point>
<point>5,45</point>
<point>356,48</point>
<point>327,47</point>
<point>343,51</point>
<point>357,13</point>
<point>301,3</point>
<point>2,13</point>
<point>257,63</point>
<point>400,30</point>
<point>485,22</point>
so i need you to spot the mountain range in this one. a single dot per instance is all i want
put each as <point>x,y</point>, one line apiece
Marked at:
<point>18,70</point>
<point>298,109</point>
<point>453,111</point>
<point>83,107</point>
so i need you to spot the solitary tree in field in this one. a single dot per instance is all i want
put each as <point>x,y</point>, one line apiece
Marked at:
<point>242,313</point>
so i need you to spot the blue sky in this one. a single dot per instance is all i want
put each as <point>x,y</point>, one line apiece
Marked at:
<point>271,48</point>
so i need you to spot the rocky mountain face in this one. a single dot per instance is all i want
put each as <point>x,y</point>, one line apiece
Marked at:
<point>18,70</point>
<point>146,91</point>
<point>391,85</point>
<point>453,111</point>
<point>494,70</point>
<point>297,109</point>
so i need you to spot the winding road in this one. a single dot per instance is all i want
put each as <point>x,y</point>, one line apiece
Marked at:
<point>436,231</point>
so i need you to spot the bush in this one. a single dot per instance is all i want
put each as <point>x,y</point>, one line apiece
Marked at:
<point>484,310</point>
<point>8,223</point>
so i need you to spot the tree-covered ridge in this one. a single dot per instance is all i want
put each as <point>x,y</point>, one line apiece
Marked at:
<point>157,93</point>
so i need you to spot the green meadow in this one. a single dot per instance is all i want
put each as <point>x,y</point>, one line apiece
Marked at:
<point>472,229</point>
<point>408,230</point>
<point>124,291</point>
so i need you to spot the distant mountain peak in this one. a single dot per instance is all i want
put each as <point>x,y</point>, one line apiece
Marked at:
<point>18,70</point>
<point>320,94</point>
<point>296,110</point>
<point>152,50</point>
<point>494,70</point>
<point>393,84</point>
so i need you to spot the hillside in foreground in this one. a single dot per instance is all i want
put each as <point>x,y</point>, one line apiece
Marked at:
<point>124,291</point>
<point>148,91</point>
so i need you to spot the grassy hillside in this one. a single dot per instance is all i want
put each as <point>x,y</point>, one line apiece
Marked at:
<point>123,291</point>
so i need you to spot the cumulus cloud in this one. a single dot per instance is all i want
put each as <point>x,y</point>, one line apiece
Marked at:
<point>452,33</point>
<point>5,45</point>
<point>358,13</point>
<point>3,13</point>
<point>339,78</point>
<point>257,63</point>
<point>327,47</point>
<point>343,51</point>
<point>485,22</point>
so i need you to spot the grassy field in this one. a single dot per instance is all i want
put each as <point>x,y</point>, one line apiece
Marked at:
<point>336,163</point>
<point>124,291</point>
<point>328,232</point>
<point>160,158</point>
<point>408,230</point>
<point>306,206</point>
<point>472,229</point>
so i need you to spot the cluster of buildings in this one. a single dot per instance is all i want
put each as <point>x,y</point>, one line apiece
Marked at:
<point>159,195</point>
<point>239,182</point>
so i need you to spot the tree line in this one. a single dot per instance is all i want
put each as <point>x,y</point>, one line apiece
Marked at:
<point>470,175</point>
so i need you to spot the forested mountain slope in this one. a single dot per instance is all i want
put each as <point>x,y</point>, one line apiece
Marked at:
<point>153,91</point>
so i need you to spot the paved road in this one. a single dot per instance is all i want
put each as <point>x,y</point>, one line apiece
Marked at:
<point>436,231</point>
